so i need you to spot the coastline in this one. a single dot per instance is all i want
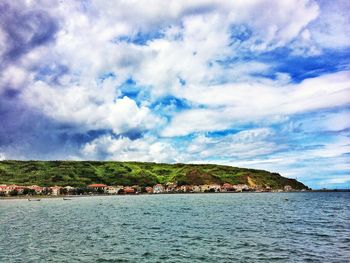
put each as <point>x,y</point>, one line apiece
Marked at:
<point>142,194</point>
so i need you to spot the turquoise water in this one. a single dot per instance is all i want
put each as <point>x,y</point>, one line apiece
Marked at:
<point>245,227</point>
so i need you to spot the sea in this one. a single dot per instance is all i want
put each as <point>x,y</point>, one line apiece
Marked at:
<point>213,227</point>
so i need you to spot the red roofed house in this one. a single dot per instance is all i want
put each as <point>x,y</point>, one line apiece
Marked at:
<point>3,189</point>
<point>8,188</point>
<point>98,188</point>
<point>149,190</point>
<point>129,190</point>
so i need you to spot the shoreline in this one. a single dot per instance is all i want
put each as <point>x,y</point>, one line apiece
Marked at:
<point>110,195</point>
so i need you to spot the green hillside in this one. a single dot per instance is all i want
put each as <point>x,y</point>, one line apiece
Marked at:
<point>82,173</point>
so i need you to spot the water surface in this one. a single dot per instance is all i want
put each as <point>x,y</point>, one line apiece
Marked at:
<point>245,227</point>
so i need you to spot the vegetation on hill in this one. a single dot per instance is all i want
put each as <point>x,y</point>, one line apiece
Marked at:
<point>82,173</point>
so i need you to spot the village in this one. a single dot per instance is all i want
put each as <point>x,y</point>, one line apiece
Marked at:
<point>102,189</point>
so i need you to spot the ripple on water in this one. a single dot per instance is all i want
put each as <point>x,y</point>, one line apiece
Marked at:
<point>247,227</point>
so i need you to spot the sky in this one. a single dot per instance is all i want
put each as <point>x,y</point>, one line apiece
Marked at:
<point>256,83</point>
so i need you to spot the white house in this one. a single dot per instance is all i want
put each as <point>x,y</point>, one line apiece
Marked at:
<point>288,188</point>
<point>210,188</point>
<point>112,190</point>
<point>196,188</point>
<point>158,188</point>
<point>56,190</point>
<point>240,187</point>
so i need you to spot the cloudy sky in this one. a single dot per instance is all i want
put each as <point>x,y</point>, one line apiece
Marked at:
<point>259,83</point>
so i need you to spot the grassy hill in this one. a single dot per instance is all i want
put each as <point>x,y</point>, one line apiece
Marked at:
<point>82,173</point>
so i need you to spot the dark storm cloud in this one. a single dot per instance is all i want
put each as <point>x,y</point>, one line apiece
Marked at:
<point>23,130</point>
<point>24,29</point>
<point>28,134</point>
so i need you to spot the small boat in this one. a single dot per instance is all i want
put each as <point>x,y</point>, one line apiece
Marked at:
<point>66,199</point>
<point>34,199</point>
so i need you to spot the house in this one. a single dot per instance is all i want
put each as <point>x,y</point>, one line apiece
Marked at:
<point>36,188</point>
<point>149,190</point>
<point>196,188</point>
<point>69,189</point>
<point>227,188</point>
<point>55,190</point>
<point>204,187</point>
<point>170,187</point>
<point>98,187</point>
<point>13,187</point>
<point>215,188</point>
<point>4,189</point>
<point>137,188</point>
<point>210,188</point>
<point>268,189</point>
<point>288,188</point>
<point>119,189</point>
<point>111,190</point>
<point>129,190</point>
<point>158,188</point>
<point>19,189</point>
<point>186,188</point>
<point>241,187</point>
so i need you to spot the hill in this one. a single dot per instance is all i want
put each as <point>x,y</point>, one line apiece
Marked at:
<point>82,173</point>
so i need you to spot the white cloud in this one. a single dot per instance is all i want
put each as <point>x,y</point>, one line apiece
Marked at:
<point>124,149</point>
<point>88,109</point>
<point>335,149</point>
<point>317,166</point>
<point>2,156</point>
<point>235,103</point>
<point>332,121</point>
<point>13,77</point>
<point>339,180</point>
<point>195,34</point>
<point>244,144</point>
<point>332,28</point>
<point>85,45</point>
